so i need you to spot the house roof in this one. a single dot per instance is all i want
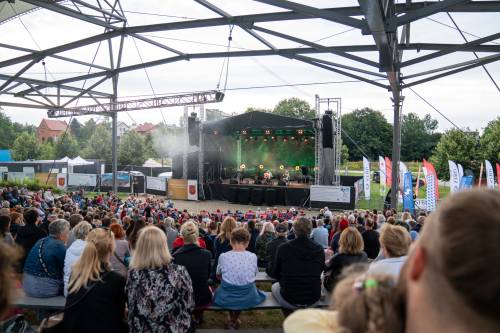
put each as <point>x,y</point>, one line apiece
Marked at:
<point>55,125</point>
<point>146,127</point>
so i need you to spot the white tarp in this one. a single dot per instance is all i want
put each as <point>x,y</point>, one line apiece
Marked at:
<point>19,176</point>
<point>327,193</point>
<point>79,161</point>
<point>150,163</point>
<point>156,183</point>
<point>82,179</point>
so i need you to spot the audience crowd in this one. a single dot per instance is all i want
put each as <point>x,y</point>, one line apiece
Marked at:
<point>142,265</point>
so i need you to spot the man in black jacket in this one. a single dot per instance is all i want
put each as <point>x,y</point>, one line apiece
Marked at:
<point>30,233</point>
<point>272,247</point>
<point>298,267</point>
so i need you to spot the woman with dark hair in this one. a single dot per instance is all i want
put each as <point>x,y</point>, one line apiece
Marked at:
<point>5,235</point>
<point>137,225</point>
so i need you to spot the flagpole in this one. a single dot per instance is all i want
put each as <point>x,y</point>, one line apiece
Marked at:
<point>480,175</point>
<point>418,180</point>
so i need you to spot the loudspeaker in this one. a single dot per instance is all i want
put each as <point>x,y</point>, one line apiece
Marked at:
<point>305,170</point>
<point>193,130</point>
<point>327,130</point>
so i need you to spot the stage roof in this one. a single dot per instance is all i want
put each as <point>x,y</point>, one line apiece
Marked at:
<point>256,120</point>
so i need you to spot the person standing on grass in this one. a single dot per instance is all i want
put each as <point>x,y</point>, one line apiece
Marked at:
<point>237,269</point>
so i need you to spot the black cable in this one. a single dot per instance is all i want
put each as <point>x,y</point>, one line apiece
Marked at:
<point>452,27</point>
<point>475,54</point>
<point>435,109</point>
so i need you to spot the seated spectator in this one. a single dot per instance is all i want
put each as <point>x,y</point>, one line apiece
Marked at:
<point>121,255</point>
<point>320,234</point>
<point>44,267</point>
<point>5,235</point>
<point>266,236</point>
<point>451,276</point>
<point>73,253</point>
<point>272,247</point>
<point>170,232</point>
<point>98,293</point>
<point>209,237</point>
<point>73,220</point>
<point>343,224</point>
<point>350,252</point>
<point>237,270</point>
<point>395,243</point>
<point>8,261</point>
<point>222,242</point>
<point>254,233</point>
<point>29,234</point>
<point>298,267</point>
<point>179,242</point>
<point>371,239</point>
<point>132,237</point>
<point>159,292</point>
<point>361,304</point>
<point>16,221</point>
<point>197,262</point>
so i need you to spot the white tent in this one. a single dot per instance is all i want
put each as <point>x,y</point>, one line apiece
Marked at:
<point>150,163</point>
<point>79,161</point>
<point>65,159</point>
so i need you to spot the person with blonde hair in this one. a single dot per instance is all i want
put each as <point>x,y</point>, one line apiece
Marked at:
<point>73,253</point>
<point>197,262</point>
<point>350,252</point>
<point>266,236</point>
<point>96,294</point>
<point>222,243</point>
<point>395,242</point>
<point>361,303</point>
<point>237,270</point>
<point>159,292</point>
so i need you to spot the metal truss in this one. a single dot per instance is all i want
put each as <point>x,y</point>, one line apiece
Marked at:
<point>385,21</point>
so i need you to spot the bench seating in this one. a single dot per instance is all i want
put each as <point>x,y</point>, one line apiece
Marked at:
<point>57,303</point>
<point>263,277</point>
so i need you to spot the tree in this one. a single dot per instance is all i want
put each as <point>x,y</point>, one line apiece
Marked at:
<point>25,147</point>
<point>131,150</point>
<point>418,137</point>
<point>252,109</point>
<point>490,141</point>
<point>86,131</point>
<point>47,151</point>
<point>366,130</point>
<point>99,144</point>
<point>66,145</point>
<point>76,128</point>
<point>344,154</point>
<point>294,107</point>
<point>149,151</point>
<point>458,146</point>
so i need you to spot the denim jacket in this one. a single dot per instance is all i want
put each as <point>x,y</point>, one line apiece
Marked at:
<point>52,255</point>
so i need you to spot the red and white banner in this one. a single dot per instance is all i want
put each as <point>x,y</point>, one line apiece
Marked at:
<point>192,189</point>
<point>388,171</point>
<point>61,181</point>
<point>498,176</point>
<point>431,171</point>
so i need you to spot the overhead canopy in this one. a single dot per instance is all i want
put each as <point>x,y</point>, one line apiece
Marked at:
<point>9,10</point>
<point>256,120</point>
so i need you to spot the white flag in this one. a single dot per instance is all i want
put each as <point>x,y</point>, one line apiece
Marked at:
<point>402,170</point>
<point>366,177</point>
<point>431,193</point>
<point>460,171</point>
<point>454,177</point>
<point>383,179</point>
<point>490,176</point>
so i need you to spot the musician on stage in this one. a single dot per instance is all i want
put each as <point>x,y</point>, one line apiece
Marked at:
<point>267,177</point>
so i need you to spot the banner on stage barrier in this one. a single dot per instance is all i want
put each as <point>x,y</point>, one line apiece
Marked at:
<point>82,179</point>
<point>122,179</point>
<point>326,193</point>
<point>192,189</point>
<point>421,204</point>
<point>61,181</point>
<point>156,183</point>
<point>19,176</point>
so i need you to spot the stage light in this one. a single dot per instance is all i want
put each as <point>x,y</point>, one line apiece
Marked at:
<point>265,139</point>
<point>216,132</point>
<point>300,132</point>
<point>261,167</point>
<point>267,132</point>
<point>297,168</point>
<point>243,166</point>
<point>306,141</point>
<point>285,139</point>
<point>292,138</point>
<point>273,138</point>
<point>244,132</point>
<point>282,167</point>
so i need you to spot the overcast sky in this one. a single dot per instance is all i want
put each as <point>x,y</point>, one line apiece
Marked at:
<point>469,99</point>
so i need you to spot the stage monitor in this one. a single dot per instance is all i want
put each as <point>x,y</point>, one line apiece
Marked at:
<point>327,130</point>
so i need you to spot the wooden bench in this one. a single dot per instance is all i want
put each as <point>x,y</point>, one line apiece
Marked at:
<point>57,303</point>
<point>263,277</point>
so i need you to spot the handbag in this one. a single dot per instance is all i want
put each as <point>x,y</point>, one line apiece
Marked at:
<point>16,324</point>
<point>54,323</point>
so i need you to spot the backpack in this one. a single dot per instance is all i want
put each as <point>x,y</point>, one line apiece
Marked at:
<point>16,324</point>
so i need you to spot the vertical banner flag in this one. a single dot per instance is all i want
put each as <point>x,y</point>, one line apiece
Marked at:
<point>402,171</point>
<point>388,171</point>
<point>381,167</point>
<point>460,171</point>
<point>431,171</point>
<point>490,176</point>
<point>466,183</point>
<point>192,189</point>
<point>366,177</point>
<point>498,176</point>
<point>480,175</point>
<point>408,202</point>
<point>431,192</point>
<point>454,177</point>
